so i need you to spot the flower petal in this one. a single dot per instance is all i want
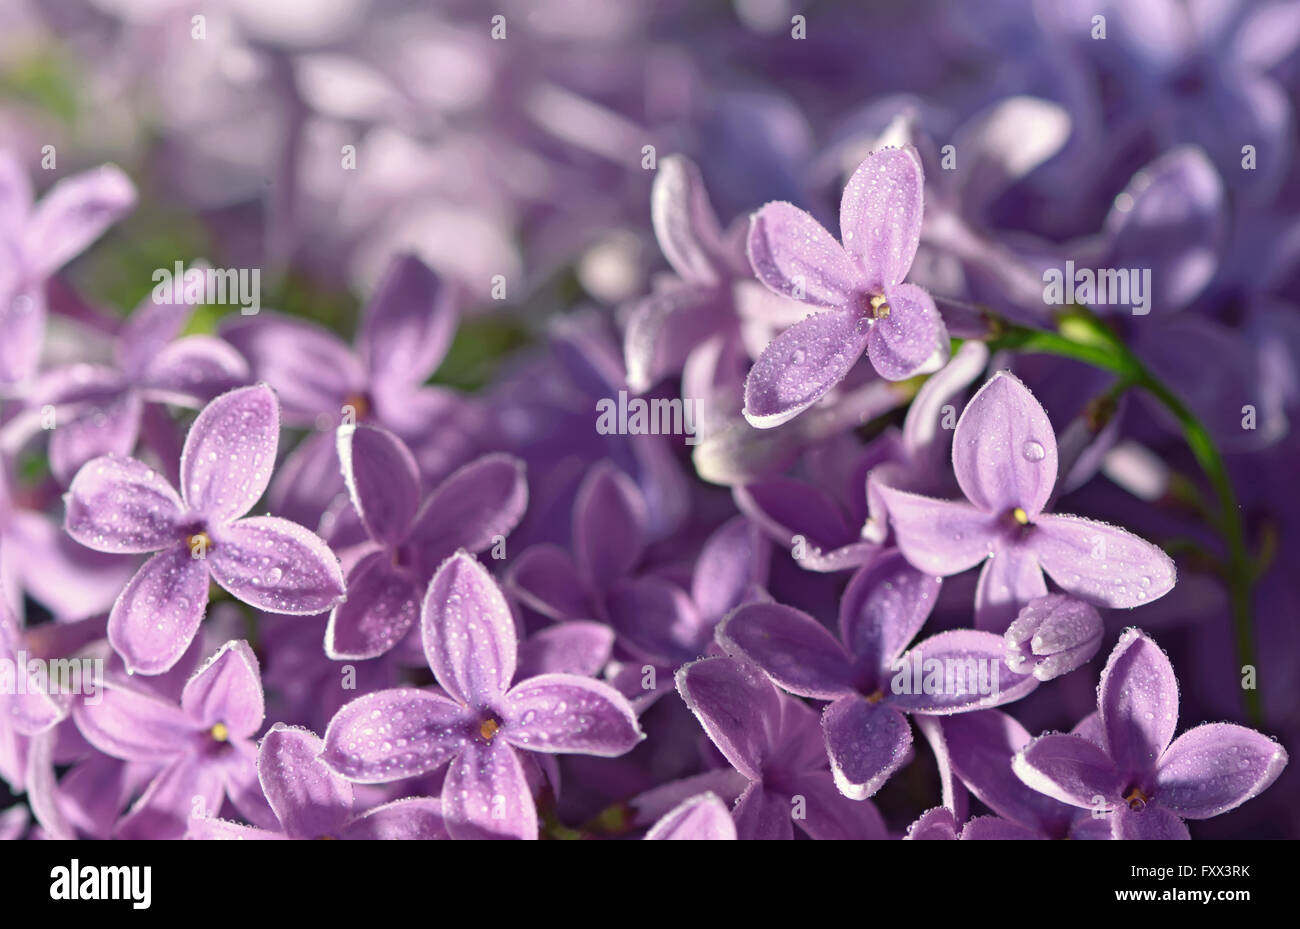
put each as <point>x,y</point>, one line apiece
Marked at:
<point>796,257</point>
<point>227,690</point>
<point>802,365</point>
<point>737,707</point>
<point>573,647</point>
<point>900,343</point>
<point>880,215</point>
<point>935,824</point>
<point>831,816</point>
<point>134,725</point>
<point>468,632</point>
<point>408,324</point>
<point>74,213</point>
<point>703,817</point>
<point>382,480</point>
<point>166,808</point>
<point>1009,579</point>
<point>230,452</point>
<point>763,815</point>
<point>730,566</point>
<point>866,742</point>
<point>381,606</point>
<point>883,608</point>
<point>392,734</point>
<point>408,819</point>
<point>791,647</point>
<point>1103,564</point>
<point>309,799</point>
<point>684,222</point>
<point>609,520</point>
<point>109,427</point>
<point>656,620</point>
<point>557,713</point>
<point>1137,700</point>
<point>1152,823</point>
<point>193,371</point>
<point>486,794</point>
<point>1004,449</point>
<point>276,565</point>
<point>474,506</point>
<point>544,578</point>
<point>1215,768</point>
<point>940,537</point>
<point>1071,769</point>
<point>159,611</point>
<point>121,505</point>
<point>974,670</point>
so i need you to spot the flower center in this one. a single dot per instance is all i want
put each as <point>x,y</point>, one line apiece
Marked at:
<point>1020,516</point>
<point>879,307</point>
<point>488,729</point>
<point>876,697</point>
<point>219,732</point>
<point>199,544</point>
<point>360,405</point>
<point>1136,799</point>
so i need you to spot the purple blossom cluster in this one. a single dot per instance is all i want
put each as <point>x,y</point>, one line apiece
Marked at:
<point>756,423</point>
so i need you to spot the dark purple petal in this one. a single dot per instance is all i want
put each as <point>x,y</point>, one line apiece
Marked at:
<point>480,502</point>
<point>1151,823</point>
<point>883,608</point>
<point>276,565</point>
<point>935,824</point>
<point>545,579</point>
<point>381,606</point>
<point>763,815</point>
<point>831,816</point>
<point>382,480</point>
<point>737,707</point>
<point>408,324</point>
<point>996,829</point>
<point>392,734</point>
<point>468,632</point>
<point>121,505</point>
<point>609,519</point>
<point>230,453</point>
<point>791,647</point>
<point>573,647</point>
<point>866,742</point>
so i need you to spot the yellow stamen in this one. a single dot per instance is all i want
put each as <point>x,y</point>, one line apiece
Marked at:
<point>879,307</point>
<point>199,544</point>
<point>876,697</point>
<point>1136,799</point>
<point>359,404</point>
<point>488,729</point>
<point>1020,516</point>
<point>220,732</point>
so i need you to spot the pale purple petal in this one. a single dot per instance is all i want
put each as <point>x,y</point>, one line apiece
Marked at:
<point>230,452</point>
<point>381,606</point>
<point>1151,823</point>
<point>166,808</point>
<point>392,734</point>
<point>866,742</point>
<point>486,794</point>
<point>1009,579</point>
<point>883,608</point>
<point>701,818</point>
<point>276,565</point>
<point>935,824</point>
<point>468,632</point>
<point>900,342</point>
<point>566,713</point>
<point>121,505</point>
<point>408,324</point>
<point>1215,768</point>
<point>109,428</point>
<point>940,537</point>
<point>223,830</point>
<point>22,320</point>
<point>796,257</point>
<point>382,478</point>
<point>1052,636</point>
<point>134,725</point>
<point>74,213</point>
<point>802,365</point>
<point>159,611</point>
<point>973,675</point>
<point>609,520</point>
<point>729,567</point>
<point>737,707</point>
<point>1004,449</point>
<point>880,215</point>
<point>683,219</point>
<point>193,371</point>
<point>573,647</point>
<point>1070,769</point>
<point>309,799</point>
<point>409,819</point>
<point>1137,700</point>
<point>791,647</point>
<point>227,690</point>
<point>1103,564</point>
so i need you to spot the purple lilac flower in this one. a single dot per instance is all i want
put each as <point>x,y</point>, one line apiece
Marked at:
<point>701,818</point>
<point>1136,769</point>
<point>26,708</point>
<point>38,239</point>
<point>479,722</point>
<point>859,286</point>
<point>1053,635</point>
<point>312,802</point>
<point>470,510</point>
<point>773,741</point>
<point>203,748</point>
<point>122,505</point>
<point>867,736</point>
<point>1004,455</point>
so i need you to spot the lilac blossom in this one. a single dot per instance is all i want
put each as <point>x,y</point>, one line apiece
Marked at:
<point>122,505</point>
<point>1053,635</point>
<point>1005,458</point>
<point>865,306</point>
<point>700,818</point>
<point>1149,781</point>
<point>480,723</point>
<point>471,510</point>
<point>867,673</point>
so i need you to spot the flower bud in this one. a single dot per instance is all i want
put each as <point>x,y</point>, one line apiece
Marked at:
<point>1052,636</point>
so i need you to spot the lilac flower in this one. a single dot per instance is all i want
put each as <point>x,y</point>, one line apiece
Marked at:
<point>121,505</point>
<point>312,802</point>
<point>479,723</point>
<point>773,741</point>
<point>980,748</point>
<point>106,402</point>
<point>866,307</point>
<point>1133,770</point>
<point>1053,635</point>
<point>1004,455</point>
<point>37,240</point>
<point>482,501</point>
<point>703,817</point>
<point>867,735</point>
<point>26,707</point>
<point>204,748</point>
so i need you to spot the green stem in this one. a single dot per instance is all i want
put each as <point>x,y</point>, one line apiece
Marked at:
<point>1086,338</point>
